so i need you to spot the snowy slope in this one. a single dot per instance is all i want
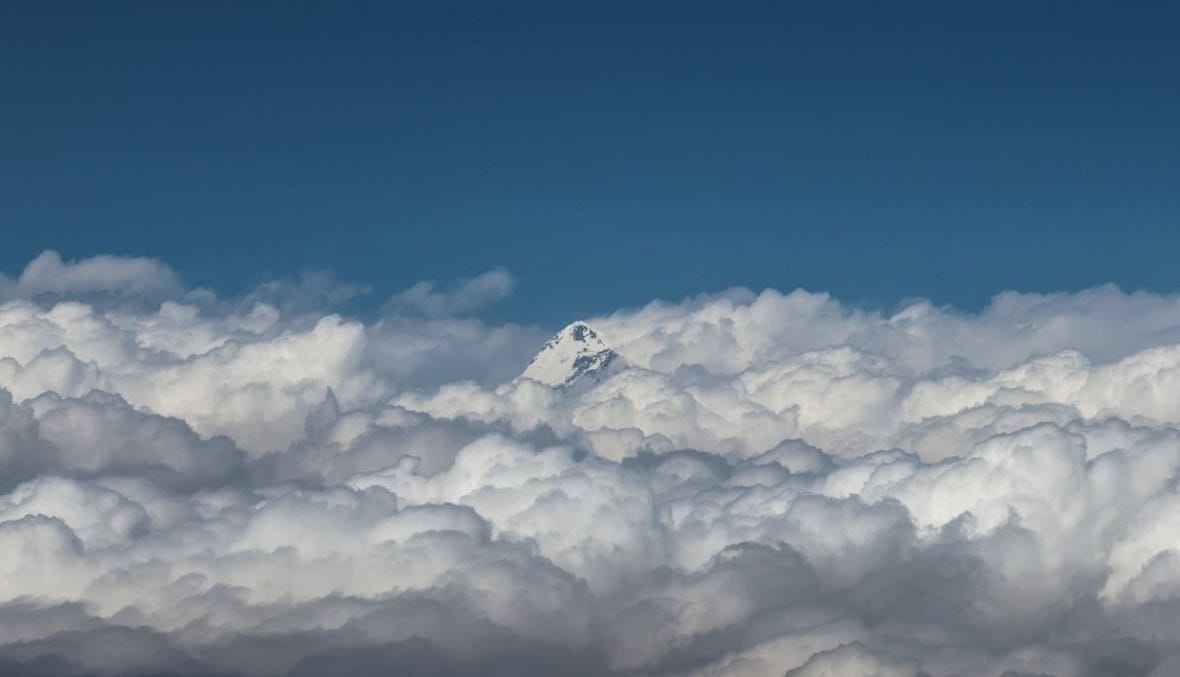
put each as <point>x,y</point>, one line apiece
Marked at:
<point>573,353</point>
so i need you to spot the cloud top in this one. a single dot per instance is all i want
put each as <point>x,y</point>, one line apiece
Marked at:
<point>48,274</point>
<point>460,298</point>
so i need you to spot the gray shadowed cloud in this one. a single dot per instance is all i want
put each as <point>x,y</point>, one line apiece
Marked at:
<point>462,297</point>
<point>48,275</point>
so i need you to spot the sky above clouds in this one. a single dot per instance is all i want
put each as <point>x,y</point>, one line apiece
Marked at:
<point>879,371</point>
<point>604,155</point>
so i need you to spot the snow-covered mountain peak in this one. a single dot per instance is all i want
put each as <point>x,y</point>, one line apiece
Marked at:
<point>569,355</point>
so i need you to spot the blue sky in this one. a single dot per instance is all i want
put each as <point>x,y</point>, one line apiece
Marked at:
<point>604,153</point>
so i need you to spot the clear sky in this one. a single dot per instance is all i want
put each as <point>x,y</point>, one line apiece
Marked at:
<point>604,153</point>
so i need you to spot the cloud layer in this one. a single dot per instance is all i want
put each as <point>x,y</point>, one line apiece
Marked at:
<point>775,484</point>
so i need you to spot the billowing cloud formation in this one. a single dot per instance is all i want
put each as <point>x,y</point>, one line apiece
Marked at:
<point>762,484</point>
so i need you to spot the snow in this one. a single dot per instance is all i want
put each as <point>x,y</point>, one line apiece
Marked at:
<point>572,353</point>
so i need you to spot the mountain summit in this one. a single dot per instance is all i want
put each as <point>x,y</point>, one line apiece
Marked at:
<point>571,354</point>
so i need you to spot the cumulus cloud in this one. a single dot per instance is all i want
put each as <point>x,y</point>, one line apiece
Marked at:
<point>49,275</point>
<point>460,298</point>
<point>766,483</point>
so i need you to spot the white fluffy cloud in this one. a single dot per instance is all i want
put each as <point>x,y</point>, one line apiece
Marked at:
<point>770,484</point>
